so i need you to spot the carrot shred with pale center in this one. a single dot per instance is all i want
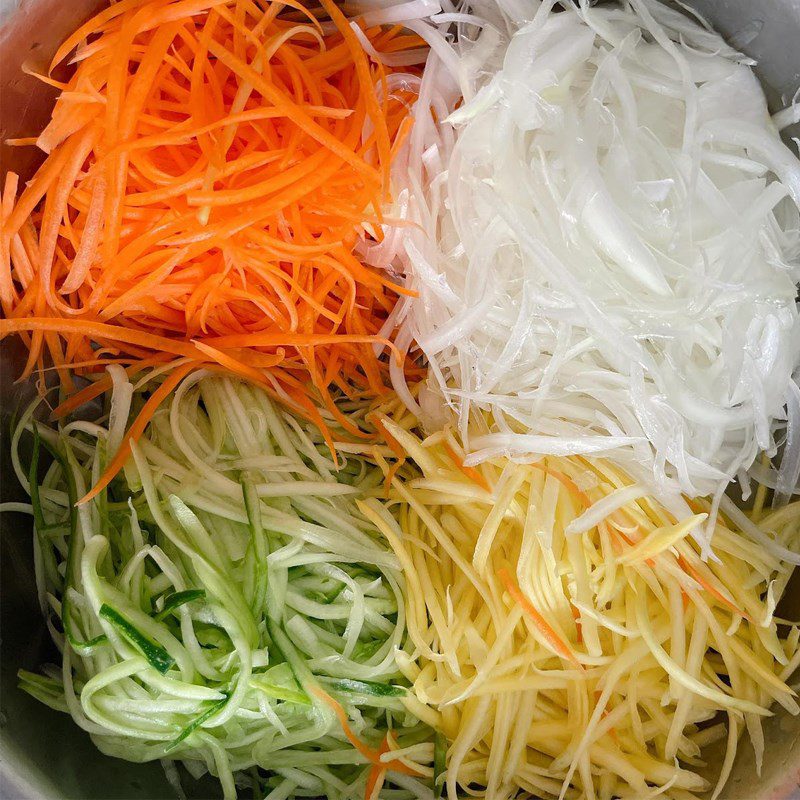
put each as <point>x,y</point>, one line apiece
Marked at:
<point>470,472</point>
<point>695,573</point>
<point>552,638</point>
<point>565,481</point>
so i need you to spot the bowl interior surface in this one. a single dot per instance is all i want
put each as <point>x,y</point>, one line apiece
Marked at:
<point>43,754</point>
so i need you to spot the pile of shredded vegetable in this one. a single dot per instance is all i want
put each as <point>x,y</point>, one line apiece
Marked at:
<point>211,165</point>
<point>566,629</point>
<point>606,243</point>
<point>571,244</point>
<point>225,605</point>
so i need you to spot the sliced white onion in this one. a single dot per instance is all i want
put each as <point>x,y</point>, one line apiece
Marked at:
<point>605,242</point>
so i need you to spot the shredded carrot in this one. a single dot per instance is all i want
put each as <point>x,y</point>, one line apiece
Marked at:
<point>375,779</point>
<point>605,713</point>
<point>231,364</point>
<point>394,446</point>
<point>370,754</point>
<point>137,429</point>
<point>377,773</point>
<point>695,573</point>
<point>566,481</point>
<point>473,474</point>
<point>688,567</point>
<point>553,639</point>
<point>210,172</point>
<point>24,141</point>
<point>98,387</point>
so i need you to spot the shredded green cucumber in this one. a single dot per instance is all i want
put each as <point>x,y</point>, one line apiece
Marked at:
<point>439,763</point>
<point>222,582</point>
<point>157,656</point>
<point>177,599</point>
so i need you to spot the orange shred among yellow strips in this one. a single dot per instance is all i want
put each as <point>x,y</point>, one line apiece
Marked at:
<point>211,168</point>
<point>470,472</point>
<point>550,636</point>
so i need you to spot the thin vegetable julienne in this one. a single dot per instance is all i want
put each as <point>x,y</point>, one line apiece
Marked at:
<point>211,167</point>
<point>231,614</point>
<point>635,643</point>
<point>137,428</point>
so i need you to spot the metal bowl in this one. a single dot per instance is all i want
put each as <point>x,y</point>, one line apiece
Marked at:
<point>43,755</point>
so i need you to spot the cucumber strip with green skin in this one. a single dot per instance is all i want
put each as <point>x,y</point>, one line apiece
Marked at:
<point>197,722</point>
<point>83,647</point>
<point>370,688</point>
<point>33,479</point>
<point>279,692</point>
<point>282,643</point>
<point>306,680</point>
<point>366,650</point>
<point>56,702</point>
<point>87,644</point>
<point>213,576</point>
<point>177,599</point>
<point>44,689</point>
<point>156,655</point>
<point>101,500</point>
<point>439,763</point>
<point>41,681</point>
<point>36,502</point>
<point>331,596</point>
<point>323,715</point>
<point>261,546</point>
<point>56,527</point>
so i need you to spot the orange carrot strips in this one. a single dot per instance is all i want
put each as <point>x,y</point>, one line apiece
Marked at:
<point>99,387</point>
<point>552,638</point>
<point>377,774</point>
<point>370,754</point>
<point>375,780</point>
<point>211,168</point>
<point>470,472</point>
<point>566,481</point>
<point>706,583</point>
<point>137,429</point>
